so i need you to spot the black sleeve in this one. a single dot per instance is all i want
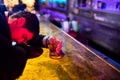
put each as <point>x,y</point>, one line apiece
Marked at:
<point>37,42</point>
<point>12,58</point>
<point>4,27</point>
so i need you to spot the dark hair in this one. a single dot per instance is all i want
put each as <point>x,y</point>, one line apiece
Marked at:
<point>19,7</point>
<point>36,5</point>
<point>32,22</point>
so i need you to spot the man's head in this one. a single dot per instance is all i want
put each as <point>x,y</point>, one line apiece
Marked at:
<point>24,26</point>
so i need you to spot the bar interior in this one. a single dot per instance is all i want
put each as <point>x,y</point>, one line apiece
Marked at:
<point>89,31</point>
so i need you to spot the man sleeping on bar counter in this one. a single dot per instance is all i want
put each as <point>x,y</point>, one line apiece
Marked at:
<point>24,29</point>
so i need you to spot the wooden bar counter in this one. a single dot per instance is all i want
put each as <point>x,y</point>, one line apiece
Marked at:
<point>79,62</point>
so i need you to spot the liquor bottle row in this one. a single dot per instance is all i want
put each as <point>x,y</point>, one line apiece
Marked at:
<point>111,5</point>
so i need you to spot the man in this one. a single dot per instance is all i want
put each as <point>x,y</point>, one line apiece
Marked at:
<point>24,28</point>
<point>12,58</point>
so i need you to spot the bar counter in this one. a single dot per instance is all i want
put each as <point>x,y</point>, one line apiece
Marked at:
<point>78,63</point>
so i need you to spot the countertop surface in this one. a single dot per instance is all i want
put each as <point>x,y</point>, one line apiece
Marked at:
<point>79,62</point>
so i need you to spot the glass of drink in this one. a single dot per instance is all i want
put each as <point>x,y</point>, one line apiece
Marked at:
<point>55,49</point>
